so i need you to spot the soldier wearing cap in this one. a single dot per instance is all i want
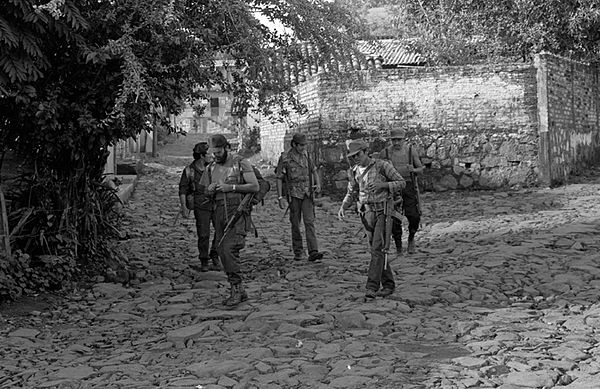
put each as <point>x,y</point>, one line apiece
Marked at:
<point>298,179</point>
<point>189,184</point>
<point>227,179</point>
<point>371,182</point>
<point>405,159</point>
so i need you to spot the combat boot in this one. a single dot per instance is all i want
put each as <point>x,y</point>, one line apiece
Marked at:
<point>411,247</point>
<point>204,265</point>
<point>237,295</point>
<point>215,264</point>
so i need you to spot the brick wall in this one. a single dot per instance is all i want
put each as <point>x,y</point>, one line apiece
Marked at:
<point>474,126</point>
<point>569,117</point>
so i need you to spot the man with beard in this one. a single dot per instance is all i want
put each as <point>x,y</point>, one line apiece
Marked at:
<point>405,159</point>
<point>227,179</point>
<point>189,184</point>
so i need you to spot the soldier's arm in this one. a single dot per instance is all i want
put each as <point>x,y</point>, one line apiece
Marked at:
<point>251,182</point>
<point>279,175</point>
<point>351,192</point>
<point>316,178</point>
<point>183,189</point>
<point>394,179</point>
<point>417,164</point>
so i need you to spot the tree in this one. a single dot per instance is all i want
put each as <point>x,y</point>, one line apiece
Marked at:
<point>77,76</point>
<point>452,32</point>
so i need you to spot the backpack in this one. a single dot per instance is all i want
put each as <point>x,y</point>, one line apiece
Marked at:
<point>189,198</point>
<point>264,187</point>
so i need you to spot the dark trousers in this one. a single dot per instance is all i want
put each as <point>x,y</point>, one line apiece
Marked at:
<point>410,209</point>
<point>303,209</point>
<point>203,219</point>
<point>233,242</point>
<point>378,275</point>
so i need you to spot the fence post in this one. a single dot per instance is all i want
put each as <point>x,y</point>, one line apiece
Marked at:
<point>4,232</point>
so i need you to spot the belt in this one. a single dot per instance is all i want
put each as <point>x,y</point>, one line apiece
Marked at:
<point>372,207</point>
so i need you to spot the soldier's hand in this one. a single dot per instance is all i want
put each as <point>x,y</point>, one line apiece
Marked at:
<point>282,202</point>
<point>377,185</point>
<point>341,214</point>
<point>185,212</point>
<point>317,188</point>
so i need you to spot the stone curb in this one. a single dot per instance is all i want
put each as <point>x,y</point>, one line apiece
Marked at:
<point>127,186</point>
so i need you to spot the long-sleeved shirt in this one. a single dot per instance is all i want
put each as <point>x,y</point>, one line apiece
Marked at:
<point>296,170</point>
<point>380,171</point>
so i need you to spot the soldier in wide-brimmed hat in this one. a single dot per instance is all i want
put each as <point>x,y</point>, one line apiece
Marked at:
<point>372,182</point>
<point>406,160</point>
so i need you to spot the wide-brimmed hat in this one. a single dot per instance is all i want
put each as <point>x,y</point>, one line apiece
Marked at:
<point>217,141</point>
<point>355,146</point>
<point>299,139</point>
<point>398,133</point>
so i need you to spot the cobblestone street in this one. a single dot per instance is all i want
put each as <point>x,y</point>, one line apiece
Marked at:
<point>502,293</point>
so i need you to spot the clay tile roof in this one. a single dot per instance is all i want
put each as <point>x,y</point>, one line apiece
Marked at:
<point>393,52</point>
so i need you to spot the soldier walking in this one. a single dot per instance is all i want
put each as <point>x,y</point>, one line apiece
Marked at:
<point>298,179</point>
<point>227,179</point>
<point>189,185</point>
<point>372,183</point>
<point>405,159</point>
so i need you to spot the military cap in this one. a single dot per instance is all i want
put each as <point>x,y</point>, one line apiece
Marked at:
<point>299,139</point>
<point>398,134</point>
<point>355,146</point>
<point>218,140</point>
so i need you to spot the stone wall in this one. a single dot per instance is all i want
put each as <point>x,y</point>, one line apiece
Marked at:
<point>275,136</point>
<point>474,126</point>
<point>569,117</point>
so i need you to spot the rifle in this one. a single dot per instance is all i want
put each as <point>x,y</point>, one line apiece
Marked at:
<point>413,178</point>
<point>243,207</point>
<point>390,213</point>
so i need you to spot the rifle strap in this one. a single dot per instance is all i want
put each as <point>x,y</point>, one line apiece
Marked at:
<point>364,173</point>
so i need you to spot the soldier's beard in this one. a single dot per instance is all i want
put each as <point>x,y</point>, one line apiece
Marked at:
<point>222,158</point>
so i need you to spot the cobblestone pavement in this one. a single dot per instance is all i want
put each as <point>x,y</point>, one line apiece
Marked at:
<point>502,293</point>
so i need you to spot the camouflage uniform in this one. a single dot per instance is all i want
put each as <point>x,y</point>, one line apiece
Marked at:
<point>296,171</point>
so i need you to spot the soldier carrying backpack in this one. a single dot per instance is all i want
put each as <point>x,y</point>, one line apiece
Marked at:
<point>192,197</point>
<point>228,179</point>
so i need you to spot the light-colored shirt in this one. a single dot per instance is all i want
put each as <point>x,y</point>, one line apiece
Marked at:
<point>402,158</point>
<point>230,172</point>
<point>380,171</point>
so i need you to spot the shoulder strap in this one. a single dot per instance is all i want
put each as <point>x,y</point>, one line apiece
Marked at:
<point>385,154</point>
<point>366,170</point>
<point>189,173</point>
<point>410,156</point>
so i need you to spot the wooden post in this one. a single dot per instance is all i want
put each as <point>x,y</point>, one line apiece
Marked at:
<point>4,232</point>
<point>155,140</point>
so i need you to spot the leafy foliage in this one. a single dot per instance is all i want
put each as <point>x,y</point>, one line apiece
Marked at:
<point>77,76</point>
<point>469,31</point>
